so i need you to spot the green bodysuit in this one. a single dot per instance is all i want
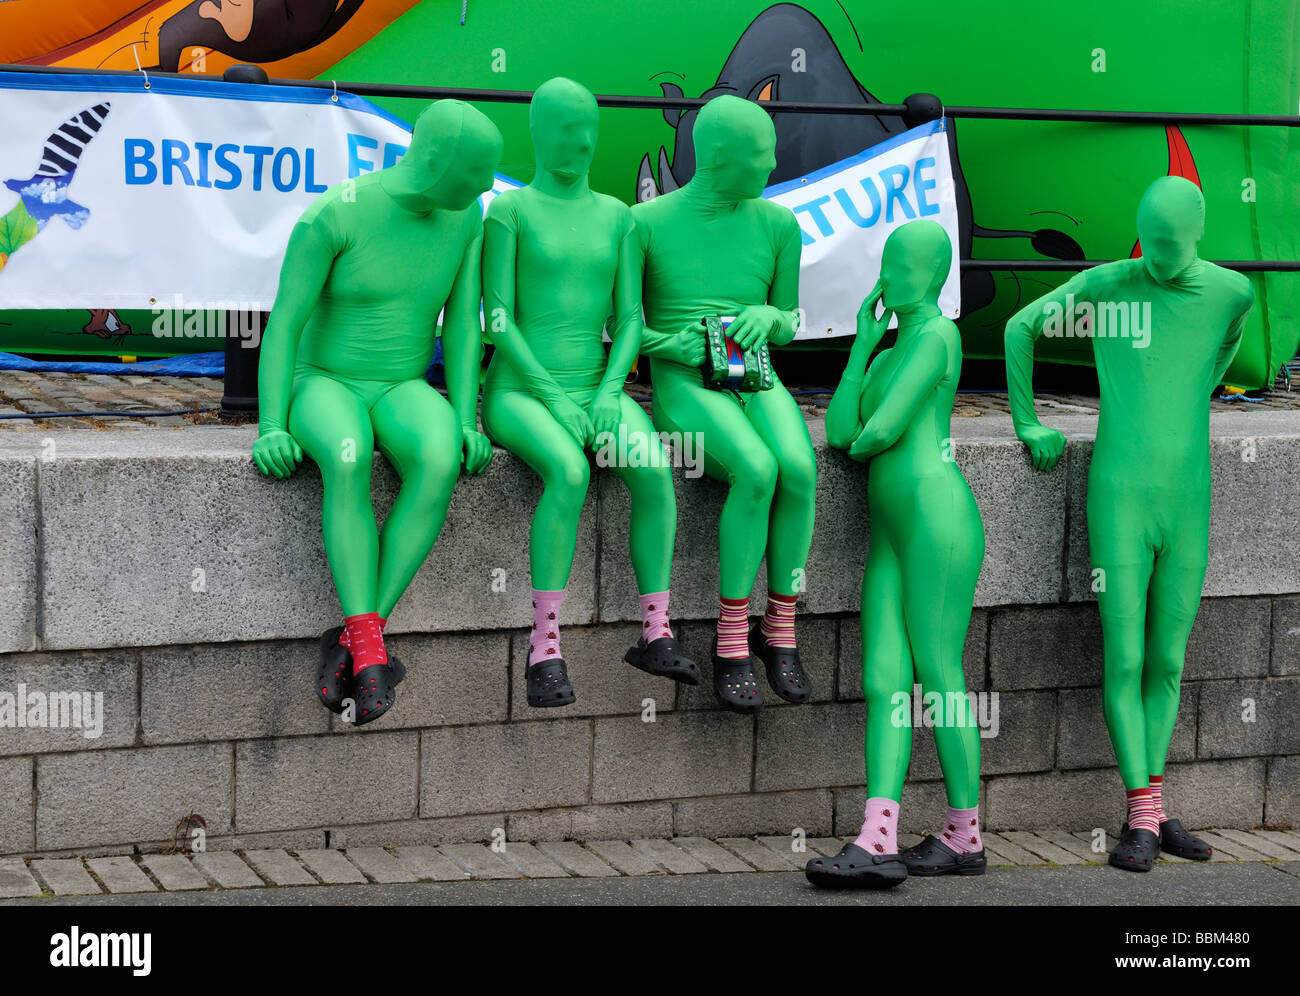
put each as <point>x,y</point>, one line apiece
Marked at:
<point>927,539</point>
<point>369,266</point>
<point>716,247</point>
<point>1164,329</point>
<point>557,261</point>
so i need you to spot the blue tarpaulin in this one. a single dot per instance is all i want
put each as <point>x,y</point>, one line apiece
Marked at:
<point>190,365</point>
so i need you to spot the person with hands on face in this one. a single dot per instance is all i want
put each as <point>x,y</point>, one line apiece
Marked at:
<point>369,266</point>
<point>557,260</point>
<point>716,247</point>
<point>927,545</point>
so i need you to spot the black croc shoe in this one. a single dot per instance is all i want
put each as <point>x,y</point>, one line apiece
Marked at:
<point>334,676</point>
<point>664,659</point>
<point>373,691</point>
<point>548,684</point>
<point>854,868</point>
<point>1136,851</point>
<point>736,683</point>
<point>1177,841</point>
<point>933,857</point>
<point>784,672</point>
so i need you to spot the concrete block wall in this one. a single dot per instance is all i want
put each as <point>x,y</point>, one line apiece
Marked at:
<point>161,571</point>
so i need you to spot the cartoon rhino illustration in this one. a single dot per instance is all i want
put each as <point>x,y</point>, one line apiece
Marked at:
<point>759,68</point>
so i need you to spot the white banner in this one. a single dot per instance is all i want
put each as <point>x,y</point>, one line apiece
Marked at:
<point>847,210</point>
<point>185,191</point>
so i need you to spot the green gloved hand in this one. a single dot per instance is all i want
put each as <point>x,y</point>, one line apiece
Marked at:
<point>576,422</point>
<point>755,325</point>
<point>276,453</point>
<point>605,411</point>
<point>476,451</point>
<point>1045,444</point>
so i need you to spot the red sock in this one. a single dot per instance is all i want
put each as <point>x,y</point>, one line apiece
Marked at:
<point>1142,813</point>
<point>1157,783</point>
<point>343,637</point>
<point>654,616</point>
<point>365,641</point>
<point>778,621</point>
<point>733,628</point>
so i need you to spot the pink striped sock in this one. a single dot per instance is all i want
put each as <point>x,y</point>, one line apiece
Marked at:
<point>778,620</point>
<point>1157,786</point>
<point>1142,811</point>
<point>879,827</point>
<point>733,628</point>
<point>544,641</point>
<point>654,616</point>
<point>961,830</point>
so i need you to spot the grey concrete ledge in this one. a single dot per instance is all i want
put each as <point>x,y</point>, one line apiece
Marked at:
<point>172,537</point>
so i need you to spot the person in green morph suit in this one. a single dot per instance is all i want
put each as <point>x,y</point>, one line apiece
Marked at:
<point>555,256</point>
<point>716,247</point>
<point>1164,328</point>
<point>368,267</point>
<point>927,545</point>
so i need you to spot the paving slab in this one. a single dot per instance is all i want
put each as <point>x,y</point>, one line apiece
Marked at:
<point>174,872</point>
<point>759,855</point>
<point>430,864</point>
<point>1258,842</point>
<point>379,865</point>
<point>1045,849</point>
<point>1288,840</point>
<point>278,867</point>
<point>479,861</point>
<point>330,866</point>
<point>65,876</point>
<point>16,880</point>
<point>530,861</point>
<point>671,857</point>
<point>227,869</point>
<point>716,858</point>
<point>1232,848</point>
<point>1011,850</point>
<point>577,860</point>
<point>1068,842</point>
<point>621,855</point>
<point>121,874</point>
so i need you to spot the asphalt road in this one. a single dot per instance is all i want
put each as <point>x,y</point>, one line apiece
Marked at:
<point>1223,884</point>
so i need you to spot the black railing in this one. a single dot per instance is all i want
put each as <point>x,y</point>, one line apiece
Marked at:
<point>915,110</point>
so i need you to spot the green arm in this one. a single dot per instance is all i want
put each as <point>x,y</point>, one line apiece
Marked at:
<point>916,373</point>
<point>307,262</point>
<point>1023,330</point>
<point>462,341</point>
<point>681,346</point>
<point>784,292</point>
<point>1228,348</point>
<point>626,329</point>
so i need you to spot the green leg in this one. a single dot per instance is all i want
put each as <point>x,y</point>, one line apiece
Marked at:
<point>333,428</point>
<point>735,454</point>
<point>941,563</point>
<point>886,672</point>
<point>653,524</point>
<point>417,430</point>
<point>525,426</point>
<point>1174,598</point>
<point>1123,605</point>
<point>783,429</point>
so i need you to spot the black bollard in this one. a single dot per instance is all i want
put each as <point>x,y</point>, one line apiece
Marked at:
<point>240,394</point>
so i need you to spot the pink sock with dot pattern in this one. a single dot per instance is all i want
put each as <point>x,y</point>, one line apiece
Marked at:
<point>654,616</point>
<point>961,830</point>
<point>879,827</point>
